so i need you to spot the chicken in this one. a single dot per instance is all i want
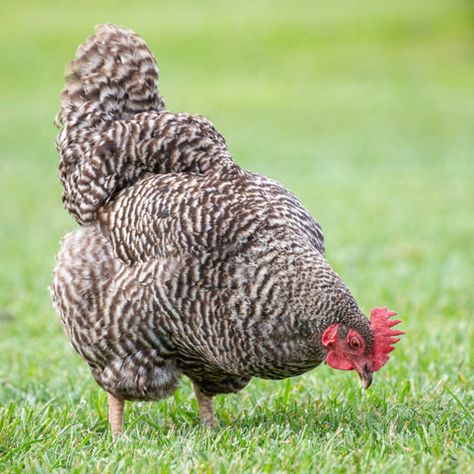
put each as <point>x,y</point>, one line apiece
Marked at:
<point>183,263</point>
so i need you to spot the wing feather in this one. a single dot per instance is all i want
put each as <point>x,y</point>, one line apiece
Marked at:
<point>208,215</point>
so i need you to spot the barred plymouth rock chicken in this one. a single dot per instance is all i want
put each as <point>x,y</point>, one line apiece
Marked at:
<point>183,262</point>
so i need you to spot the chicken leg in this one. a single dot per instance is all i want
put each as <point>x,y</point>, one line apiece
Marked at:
<point>115,414</point>
<point>205,407</point>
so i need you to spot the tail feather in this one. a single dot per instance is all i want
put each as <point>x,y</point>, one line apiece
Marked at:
<point>115,130</point>
<point>115,70</point>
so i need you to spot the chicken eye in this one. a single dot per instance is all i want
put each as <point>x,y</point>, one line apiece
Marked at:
<point>354,343</point>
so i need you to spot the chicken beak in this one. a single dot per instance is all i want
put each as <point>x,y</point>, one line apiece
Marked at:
<point>365,377</point>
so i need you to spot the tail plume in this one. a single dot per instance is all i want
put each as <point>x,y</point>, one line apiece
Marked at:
<point>114,73</point>
<point>114,129</point>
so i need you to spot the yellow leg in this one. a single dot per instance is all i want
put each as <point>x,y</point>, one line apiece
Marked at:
<point>205,407</point>
<point>115,414</point>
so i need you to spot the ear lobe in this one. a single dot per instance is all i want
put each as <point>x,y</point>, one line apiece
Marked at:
<point>330,335</point>
<point>338,362</point>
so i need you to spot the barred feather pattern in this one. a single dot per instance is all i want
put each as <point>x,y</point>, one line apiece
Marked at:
<point>184,263</point>
<point>98,161</point>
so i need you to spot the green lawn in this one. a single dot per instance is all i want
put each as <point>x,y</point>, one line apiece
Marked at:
<point>366,111</point>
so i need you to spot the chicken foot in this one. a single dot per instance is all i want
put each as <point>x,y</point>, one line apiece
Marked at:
<point>205,407</point>
<point>115,414</point>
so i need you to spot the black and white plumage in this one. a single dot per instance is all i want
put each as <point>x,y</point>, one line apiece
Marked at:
<point>183,262</point>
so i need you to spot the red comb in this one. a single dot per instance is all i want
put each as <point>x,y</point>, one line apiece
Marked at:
<point>384,335</point>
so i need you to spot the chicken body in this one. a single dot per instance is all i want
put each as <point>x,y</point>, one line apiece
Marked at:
<point>213,291</point>
<point>183,262</point>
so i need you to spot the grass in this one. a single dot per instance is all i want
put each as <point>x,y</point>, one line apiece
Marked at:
<point>365,110</point>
